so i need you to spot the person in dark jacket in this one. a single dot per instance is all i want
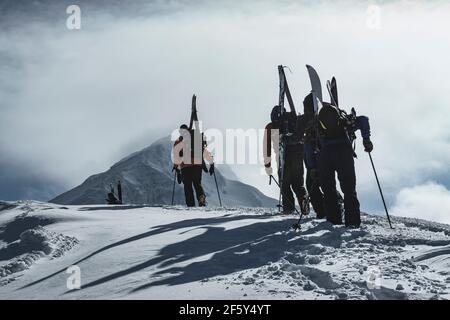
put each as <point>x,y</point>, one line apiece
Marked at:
<point>291,178</point>
<point>188,153</point>
<point>312,150</point>
<point>337,131</point>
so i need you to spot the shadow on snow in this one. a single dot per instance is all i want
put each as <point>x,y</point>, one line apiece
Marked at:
<point>199,222</point>
<point>232,250</point>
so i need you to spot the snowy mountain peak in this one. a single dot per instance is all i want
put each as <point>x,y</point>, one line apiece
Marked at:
<point>147,179</point>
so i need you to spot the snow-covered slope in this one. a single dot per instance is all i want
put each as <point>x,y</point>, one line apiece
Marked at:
<point>173,253</point>
<point>147,178</point>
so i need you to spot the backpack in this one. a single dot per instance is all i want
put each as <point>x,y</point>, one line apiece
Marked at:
<point>332,125</point>
<point>288,124</point>
<point>195,148</point>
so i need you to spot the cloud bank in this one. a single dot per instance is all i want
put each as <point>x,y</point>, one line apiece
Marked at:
<point>429,201</point>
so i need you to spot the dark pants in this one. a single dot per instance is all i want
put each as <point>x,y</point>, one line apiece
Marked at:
<point>315,194</point>
<point>339,158</point>
<point>192,176</point>
<point>292,178</point>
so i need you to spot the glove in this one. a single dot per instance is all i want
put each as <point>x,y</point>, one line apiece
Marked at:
<point>368,145</point>
<point>211,169</point>
<point>179,176</point>
<point>269,171</point>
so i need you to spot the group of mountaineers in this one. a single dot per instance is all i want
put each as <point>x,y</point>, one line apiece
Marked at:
<point>321,140</point>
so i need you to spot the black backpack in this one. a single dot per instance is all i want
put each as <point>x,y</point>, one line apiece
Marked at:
<point>331,123</point>
<point>288,125</point>
<point>291,128</point>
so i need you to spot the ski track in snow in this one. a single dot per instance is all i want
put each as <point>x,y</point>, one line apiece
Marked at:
<point>144,252</point>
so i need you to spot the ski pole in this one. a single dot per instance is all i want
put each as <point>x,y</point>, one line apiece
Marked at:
<point>281,171</point>
<point>273,178</point>
<point>217,187</point>
<point>381,192</point>
<point>173,189</point>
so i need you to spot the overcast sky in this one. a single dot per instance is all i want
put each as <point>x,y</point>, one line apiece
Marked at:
<point>73,102</point>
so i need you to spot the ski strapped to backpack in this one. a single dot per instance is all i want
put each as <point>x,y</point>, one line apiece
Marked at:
<point>349,120</point>
<point>194,116</point>
<point>285,134</point>
<point>283,130</point>
<point>197,133</point>
<point>284,88</point>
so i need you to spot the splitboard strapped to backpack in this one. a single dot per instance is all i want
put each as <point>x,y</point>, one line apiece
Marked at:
<point>316,92</point>
<point>332,122</point>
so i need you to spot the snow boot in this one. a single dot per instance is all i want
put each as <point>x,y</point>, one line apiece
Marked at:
<point>304,203</point>
<point>202,201</point>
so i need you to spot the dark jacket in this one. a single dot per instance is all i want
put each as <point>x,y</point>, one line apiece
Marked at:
<point>272,140</point>
<point>361,123</point>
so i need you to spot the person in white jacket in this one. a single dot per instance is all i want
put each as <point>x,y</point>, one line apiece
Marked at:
<point>188,154</point>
